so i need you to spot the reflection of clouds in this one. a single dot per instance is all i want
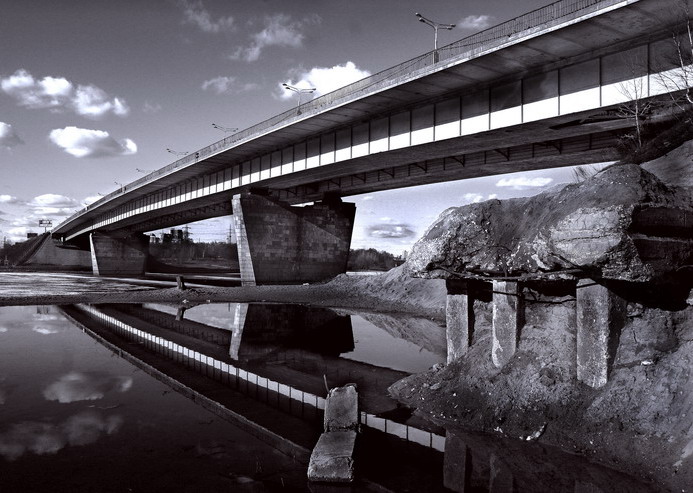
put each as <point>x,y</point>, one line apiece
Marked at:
<point>76,386</point>
<point>48,438</point>
<point>45,317</point>
<point>3,329</point>
<point>45,330</point>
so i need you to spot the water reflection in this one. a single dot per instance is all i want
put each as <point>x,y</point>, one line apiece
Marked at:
<point>42,438</point>
<point>78,386</point>
<point>268,381</point>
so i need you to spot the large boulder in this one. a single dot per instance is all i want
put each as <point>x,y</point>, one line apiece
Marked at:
<point>622,223</point>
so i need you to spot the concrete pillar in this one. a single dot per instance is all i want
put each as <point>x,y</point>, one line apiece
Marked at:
<point>239,316</point>
<point>114,254</point>
<point>459,318</point>
<point>457,464</point>
<point>280,244</point>
<point>600,317</point>
<point>508,316</point>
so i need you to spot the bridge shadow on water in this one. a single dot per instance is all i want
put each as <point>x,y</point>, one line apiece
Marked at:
<point>265,368</point>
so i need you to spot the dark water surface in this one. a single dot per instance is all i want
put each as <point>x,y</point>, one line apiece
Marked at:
<point>229,397</point>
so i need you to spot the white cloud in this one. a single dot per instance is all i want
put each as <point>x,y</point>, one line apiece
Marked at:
<point>473,198</point>
<point>8,136</point>
<point>83,142</point>
<point>475,22</point>
<point>522,182</point>
<point>90,101</point>
<point>53,200</point>
<point>196,14</point>
<point>75,386</point>
<point>41,438</point>
<point>325,79</point>
<point>151,108</point>
<point>278,30</point>
<point>390,230</point>
<point>219,84</point>
<point>9,199</point>
<point>58,93</point>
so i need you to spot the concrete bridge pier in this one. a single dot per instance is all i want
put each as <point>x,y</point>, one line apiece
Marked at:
<point>508,318</point>
<point>459,317</point>
<point>283,244</point>
<point>600,317</point>
<point>119,254</point>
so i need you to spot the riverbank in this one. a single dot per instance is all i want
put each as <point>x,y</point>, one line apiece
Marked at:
<point>391,292</point>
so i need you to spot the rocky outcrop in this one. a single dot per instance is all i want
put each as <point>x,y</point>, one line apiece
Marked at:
<point>622,224</point>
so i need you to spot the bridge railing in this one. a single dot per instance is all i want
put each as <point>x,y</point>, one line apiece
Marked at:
<point>541,18</point>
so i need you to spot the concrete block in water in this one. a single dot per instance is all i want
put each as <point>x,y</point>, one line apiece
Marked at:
<point>332,458</point>
<point>341,409</point>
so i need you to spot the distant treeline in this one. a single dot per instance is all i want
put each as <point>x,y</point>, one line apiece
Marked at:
<point>190,250</point>
<point>371,259</point>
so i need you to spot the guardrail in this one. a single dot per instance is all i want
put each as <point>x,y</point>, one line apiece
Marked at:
<point>557,12</point>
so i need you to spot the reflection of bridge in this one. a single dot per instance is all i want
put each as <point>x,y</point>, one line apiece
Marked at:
<point>536,92</point>
<point>182,356</point>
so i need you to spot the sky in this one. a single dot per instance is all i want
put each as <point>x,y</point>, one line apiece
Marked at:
<point>93,92</point>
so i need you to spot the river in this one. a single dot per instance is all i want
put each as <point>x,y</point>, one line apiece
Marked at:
<point>229,397</point>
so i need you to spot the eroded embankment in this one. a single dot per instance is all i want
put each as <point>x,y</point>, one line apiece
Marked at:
<point>627,234</point>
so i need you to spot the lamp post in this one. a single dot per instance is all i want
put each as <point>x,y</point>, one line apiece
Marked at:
<point>140,170</point>
<point>435,26</point>
<point>225,129</point>
<point>177,153</point>
<point>122,187</point>
<point>299,91</point>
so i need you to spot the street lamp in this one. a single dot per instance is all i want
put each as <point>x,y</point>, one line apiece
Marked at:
<point>225,129</point>
<point>435,26</point>
<point>140,170</point>
<point>299,91</point>
<point>122,187</point>
<point>177,153</point>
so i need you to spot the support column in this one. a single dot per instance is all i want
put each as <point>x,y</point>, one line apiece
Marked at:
<point>501,480</point>
<point>457,464</point>
<point>459,318</point>
<point>114,254</point>
<point>508,317</point>
<point>239,317</point>
<point>281,244</point>
<point>600,317</point>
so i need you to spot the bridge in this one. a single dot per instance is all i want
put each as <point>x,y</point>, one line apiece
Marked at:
<point>543,90</point>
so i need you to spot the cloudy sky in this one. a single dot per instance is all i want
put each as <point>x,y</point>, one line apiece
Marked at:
<point>93,92</point>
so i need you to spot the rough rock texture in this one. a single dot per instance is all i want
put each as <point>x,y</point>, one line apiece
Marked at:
<point>622,224</point>
<point>640,421</point>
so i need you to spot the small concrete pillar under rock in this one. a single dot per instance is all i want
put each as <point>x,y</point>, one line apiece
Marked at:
<point>600,317</point>
<point>508,316</point>
<point>457,464</point>
<point>459,318</point>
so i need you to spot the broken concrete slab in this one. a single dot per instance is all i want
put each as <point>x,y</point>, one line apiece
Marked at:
<point>341,409</point>
<point>332,458</point>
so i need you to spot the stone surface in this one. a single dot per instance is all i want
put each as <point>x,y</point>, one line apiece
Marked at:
<point>600,316</point>
<point>459,325</point>
<point>281,244</point>
<point>119,255</point>
<point>332,458</point>
<point>507,320</point>
<point>623,223</point>
<point>341,409</point>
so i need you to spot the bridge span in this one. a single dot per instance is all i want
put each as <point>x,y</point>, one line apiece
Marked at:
<point>540,91</point>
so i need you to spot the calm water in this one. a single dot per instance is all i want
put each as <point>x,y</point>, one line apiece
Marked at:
<point>228,397</point>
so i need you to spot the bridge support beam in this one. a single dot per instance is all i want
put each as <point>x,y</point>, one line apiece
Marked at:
<point>508,317</point>
<point>600,317</point>
<point>118,254</point>
<point>459,318</point>
<point>281,244</point>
